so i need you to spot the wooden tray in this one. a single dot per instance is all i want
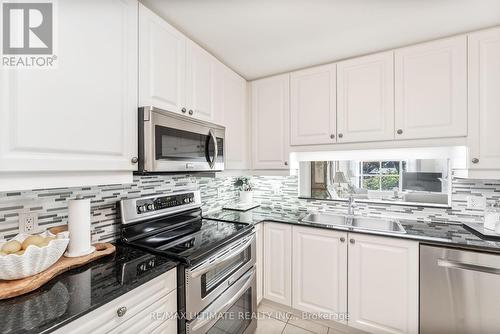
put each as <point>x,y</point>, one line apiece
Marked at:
<point>14,288</point>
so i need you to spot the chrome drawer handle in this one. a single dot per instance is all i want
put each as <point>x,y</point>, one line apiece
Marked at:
<point>121,311</point>
<point>248,277</point>
<point>209,266</point>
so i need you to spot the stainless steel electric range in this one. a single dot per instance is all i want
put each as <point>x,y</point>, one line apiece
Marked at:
<point>216,278</point>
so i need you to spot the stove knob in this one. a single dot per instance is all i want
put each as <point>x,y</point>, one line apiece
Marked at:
<point>186,200</point>
<point>141,208</point>
<point>191,199</point>
<point>150,207</point>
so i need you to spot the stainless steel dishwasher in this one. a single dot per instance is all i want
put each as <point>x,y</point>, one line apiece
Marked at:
<point>459,291</point>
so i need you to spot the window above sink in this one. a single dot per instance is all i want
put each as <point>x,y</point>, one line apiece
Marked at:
<point>393,181</point>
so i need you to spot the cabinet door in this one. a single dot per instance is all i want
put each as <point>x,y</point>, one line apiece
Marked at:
<point>270,119</point>
<point>278,263</point>
<point>259,235</point>
<point>235,118</point>
<point>81,115</point>
<point>162,63</point>
<point>365,101</point>
<point>383,284</point>
<point>200,82</point>
<point>484,99</point>
<point>431,89</point>
<point>319,270</point>
<point>312,106</point>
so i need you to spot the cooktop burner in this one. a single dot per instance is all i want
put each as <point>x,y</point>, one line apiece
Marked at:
<point>194,240</point>
<point>176,233</point>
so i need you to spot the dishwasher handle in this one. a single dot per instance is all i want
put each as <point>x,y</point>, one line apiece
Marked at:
<point>467,266</point>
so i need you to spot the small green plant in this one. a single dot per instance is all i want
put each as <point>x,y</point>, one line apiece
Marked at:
<point>243,183</point>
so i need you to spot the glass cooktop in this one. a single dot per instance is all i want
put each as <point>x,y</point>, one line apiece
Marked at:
<point>196,239</point>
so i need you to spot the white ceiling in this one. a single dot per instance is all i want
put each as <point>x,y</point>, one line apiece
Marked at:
<point>259,38</point>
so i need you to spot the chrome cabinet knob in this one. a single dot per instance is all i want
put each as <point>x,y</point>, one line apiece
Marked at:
<point>134,160</point>
<point>190,112</point>
<point>352,241</point>
<point>342,239</point>
<point>332,136</point>
<point>475,160</point>
<point>183,110</point>
<point>399,132</point>
<point>121,311</point>
<point>341,135</point>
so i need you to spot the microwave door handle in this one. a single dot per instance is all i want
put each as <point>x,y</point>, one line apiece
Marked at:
<point>211,162</point>
<point>205,268</point>
<point>248,277</point>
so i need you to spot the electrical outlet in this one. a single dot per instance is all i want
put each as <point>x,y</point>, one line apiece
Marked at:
<point>476,202</point>
<point>28,222</point>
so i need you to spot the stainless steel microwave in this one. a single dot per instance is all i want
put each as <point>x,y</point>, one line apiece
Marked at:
<point>171,142</point>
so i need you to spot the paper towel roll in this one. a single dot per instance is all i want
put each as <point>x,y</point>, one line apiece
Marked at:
<point>79,227</point>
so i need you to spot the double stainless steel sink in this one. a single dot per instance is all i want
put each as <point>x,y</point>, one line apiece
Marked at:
<point>355,222</point>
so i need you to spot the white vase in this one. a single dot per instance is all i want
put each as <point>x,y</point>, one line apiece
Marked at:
<point>246,196</point>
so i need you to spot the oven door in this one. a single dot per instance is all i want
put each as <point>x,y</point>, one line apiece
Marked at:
<point>207,280</point>
<point>179,143</point>
<point>233,312</point>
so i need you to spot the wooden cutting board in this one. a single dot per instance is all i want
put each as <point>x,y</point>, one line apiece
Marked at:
<point>14,288</point>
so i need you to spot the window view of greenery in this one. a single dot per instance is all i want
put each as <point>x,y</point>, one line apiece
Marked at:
<point>381,175</point>
<point>409,180</point>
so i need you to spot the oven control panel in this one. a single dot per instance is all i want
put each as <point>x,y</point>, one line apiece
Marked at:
<point>164,202</point>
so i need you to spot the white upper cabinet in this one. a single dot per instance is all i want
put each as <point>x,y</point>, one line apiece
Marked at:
<point>319,266</point>
<point>431,89</point>
<point>175,73</point>
<point>200,82</point>
<point>82,114</point>
<point>278,263</point>
<point>312,106</point>
<point>383,284</point>
<point>162,57</point>
<point>484,99</point>
<point>235,117</point>
<point>270,122</point>
<point>365,100</point>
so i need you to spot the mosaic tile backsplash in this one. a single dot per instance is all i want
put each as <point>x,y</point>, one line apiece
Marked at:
<point>51,206</point>
<point>278,193</point>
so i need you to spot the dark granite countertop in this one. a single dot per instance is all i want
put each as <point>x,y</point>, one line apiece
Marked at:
<point>446,234</point>
<point>74,293</point>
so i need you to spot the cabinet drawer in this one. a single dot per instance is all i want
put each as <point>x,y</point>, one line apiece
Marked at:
<point>105,318</point>
<point>145,322</point>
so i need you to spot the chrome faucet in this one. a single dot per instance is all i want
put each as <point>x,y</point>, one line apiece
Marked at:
<point>352,205</point>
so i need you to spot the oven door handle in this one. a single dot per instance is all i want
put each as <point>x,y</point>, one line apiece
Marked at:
<point>249,278</point>
<point>207,267</point>
<point>211,162</point>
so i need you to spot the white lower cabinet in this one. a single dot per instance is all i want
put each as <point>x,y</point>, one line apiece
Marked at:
<point>278,263</point>
<point>259,235</point>
<point>383,284</point>
<point>158,297</point>
<point>319,271</point>
<point>372,278</point>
